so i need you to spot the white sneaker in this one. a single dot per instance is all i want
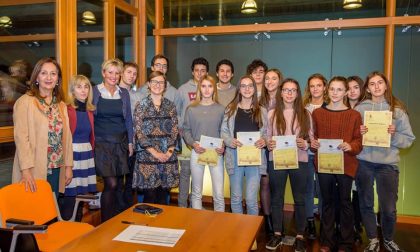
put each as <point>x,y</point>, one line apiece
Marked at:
<point>391,246</point>
<point>373,245</point>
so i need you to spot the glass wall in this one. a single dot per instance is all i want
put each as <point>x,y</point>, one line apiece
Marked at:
<point>217,13</point>
<point>406,86</point>
<point>90,48</point>
<point>7,153</point>
<point>124,36</point>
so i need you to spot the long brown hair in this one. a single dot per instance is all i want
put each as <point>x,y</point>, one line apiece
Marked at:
<point>199,94</point>
<point>255,107</point>
<point>34,88</point>
<point>359,82</point>
<point>299,112</point>
<point>393,101</point>
<point>307,96</point>
<point>265,97</point>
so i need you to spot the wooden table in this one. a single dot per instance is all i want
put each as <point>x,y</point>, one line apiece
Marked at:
<point>204,231</point>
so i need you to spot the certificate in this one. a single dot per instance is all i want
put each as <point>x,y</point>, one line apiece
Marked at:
<point>248,153</point>
<point>377,123</point>
<point>285,155</point>
<point>210,156</point>
<point>330,157</point>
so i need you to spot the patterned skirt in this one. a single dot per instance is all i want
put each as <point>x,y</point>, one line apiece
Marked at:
<point>84,175</point>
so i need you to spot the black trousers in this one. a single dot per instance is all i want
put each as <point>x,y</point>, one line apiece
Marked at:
<point>331,184</point>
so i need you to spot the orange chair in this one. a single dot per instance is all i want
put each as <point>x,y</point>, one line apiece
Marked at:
<point>41,208</point>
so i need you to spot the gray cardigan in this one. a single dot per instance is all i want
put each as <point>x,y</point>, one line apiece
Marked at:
<point>228,125</point>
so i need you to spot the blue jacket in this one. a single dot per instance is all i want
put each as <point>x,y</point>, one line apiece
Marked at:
<point>125,97</point>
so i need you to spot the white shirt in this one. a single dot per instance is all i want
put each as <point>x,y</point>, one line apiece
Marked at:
<point>107,95</point>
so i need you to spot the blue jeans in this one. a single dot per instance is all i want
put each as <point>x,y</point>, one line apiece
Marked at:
<point>310,188</point>
<point>386,177</point>
<point>298,179</point>
<point>252,183</point>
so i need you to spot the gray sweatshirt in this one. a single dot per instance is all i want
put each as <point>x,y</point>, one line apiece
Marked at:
<point>403,137</point>
<point>202,120</point>
<point>186,95</point>
<point>225,96</point>
<point>142,92</point>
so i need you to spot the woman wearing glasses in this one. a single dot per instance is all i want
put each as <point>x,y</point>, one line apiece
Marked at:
<point>156,130</point>
<point>289,117</point>
<point>244,114</point>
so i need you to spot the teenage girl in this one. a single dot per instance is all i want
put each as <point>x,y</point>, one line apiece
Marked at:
<point>313,98</point>
<point>354,96</point>
<point>289,117</point>
<point>204,117</point>
<point>272,80</point>
<point>336,120</point>
<point>244,114</point>
<point>381,164</point>
<point>80,110</point>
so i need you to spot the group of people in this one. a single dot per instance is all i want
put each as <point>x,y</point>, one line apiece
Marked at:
<point>148,139</point>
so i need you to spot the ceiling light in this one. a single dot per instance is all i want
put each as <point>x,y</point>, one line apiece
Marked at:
<point>352,4</point>
<point>5,22</point>
<point>88,17</point>
<point>249,7</point>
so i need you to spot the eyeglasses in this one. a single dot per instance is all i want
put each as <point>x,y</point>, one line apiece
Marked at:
<point>289,91</point>
<point>163,66</point>
<point>245,86</point>
<point>155,82</point>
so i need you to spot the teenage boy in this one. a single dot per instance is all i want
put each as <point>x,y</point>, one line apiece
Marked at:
<point>225,90</point>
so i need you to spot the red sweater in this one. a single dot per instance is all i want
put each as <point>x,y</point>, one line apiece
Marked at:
<point>343,124</point>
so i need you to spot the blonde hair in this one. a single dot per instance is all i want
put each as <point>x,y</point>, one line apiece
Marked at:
<point>74,81</point>
<point>199,94</point>
<point>113,62</point>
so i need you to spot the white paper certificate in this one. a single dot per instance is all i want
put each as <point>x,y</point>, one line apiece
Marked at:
<point>248,153</point>
<point>377,123</point>
<point>210,156</point>
<point>166,237</point>
<point>330,157</point>
<point>285,155</point>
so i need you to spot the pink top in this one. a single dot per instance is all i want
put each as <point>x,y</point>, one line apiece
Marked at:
<point>272,131</point>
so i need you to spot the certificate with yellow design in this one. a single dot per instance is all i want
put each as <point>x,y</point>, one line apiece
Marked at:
<point>285,155</point>
<point>210,156</point>
<point>248,154</point>
<point>377,123</point>
<point>330,157</point>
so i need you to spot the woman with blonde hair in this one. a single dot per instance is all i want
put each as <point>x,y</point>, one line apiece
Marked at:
<point>204,117</point>
<point>113,134</point>
<point>80,110</point>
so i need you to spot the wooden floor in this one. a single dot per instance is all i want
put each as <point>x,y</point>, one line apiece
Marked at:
<point>407,236</point>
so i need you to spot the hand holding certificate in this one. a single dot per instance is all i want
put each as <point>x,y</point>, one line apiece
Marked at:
<point>210,156</point>
<point>248,153</point>
<point>377,123</point>
<point>285,153</point>
<point>330,156</point>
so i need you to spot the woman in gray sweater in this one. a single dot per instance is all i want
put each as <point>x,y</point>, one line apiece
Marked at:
<point>203,118</point>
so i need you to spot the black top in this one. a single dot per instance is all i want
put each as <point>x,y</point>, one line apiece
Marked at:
<point>109,120</point>
<point>81,106</point>
<point>243,122</point>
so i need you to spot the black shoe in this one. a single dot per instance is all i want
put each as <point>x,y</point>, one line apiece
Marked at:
<point>268,226</point>
<point>300,245</point>
<point>274,242</point>
<point>311,229</point>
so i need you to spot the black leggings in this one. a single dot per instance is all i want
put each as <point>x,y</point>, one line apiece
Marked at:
<point>157,195</point>
<point>109,197</point>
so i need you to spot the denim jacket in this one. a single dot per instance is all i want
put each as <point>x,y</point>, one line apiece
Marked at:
<point>228,125</point>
